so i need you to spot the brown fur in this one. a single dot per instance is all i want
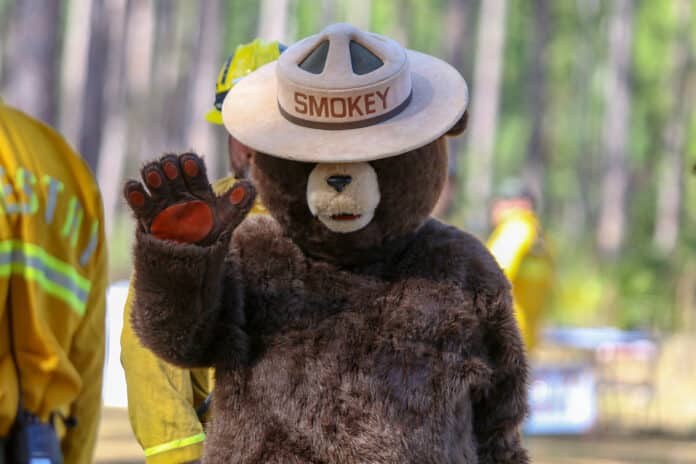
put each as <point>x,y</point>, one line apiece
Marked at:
<point>392,344</point>
<point>404,206</point>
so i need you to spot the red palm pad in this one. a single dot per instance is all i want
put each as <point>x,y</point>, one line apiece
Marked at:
<point>187,222</point>
<point>180,205</point>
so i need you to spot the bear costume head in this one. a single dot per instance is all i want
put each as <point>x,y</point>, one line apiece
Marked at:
<point>367,158</point>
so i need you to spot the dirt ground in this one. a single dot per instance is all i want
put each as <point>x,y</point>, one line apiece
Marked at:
<point>116,445</point>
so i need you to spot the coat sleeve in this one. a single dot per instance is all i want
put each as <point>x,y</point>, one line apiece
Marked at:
<point>501,406</point>
<point>160,401</point>
<point>87,357</point>
<point>180,293</point>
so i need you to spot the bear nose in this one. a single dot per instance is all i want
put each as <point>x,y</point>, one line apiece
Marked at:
<point>339,182</point>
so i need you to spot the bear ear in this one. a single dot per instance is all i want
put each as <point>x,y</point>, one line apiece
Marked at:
<point>460,126</point>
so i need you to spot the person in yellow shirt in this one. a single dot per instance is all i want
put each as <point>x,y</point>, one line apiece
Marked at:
<point>167,404</point>
<point>53,278</point>
<point>521,249</point>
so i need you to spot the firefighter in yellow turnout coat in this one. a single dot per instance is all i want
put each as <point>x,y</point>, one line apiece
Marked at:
<point>164,401</point>
<point>52,284</point>
<point>519,246</point>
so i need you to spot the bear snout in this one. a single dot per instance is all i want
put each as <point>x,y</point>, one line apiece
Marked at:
<point>343,196</point>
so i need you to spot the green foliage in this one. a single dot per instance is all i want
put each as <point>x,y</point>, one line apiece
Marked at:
<point>384,16</point>
<point>241,23</point>
<point>638,287</point>
<point>307,17</point>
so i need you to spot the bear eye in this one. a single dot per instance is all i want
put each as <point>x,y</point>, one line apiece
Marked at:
<point>316,60</point>
<point>363,60</point>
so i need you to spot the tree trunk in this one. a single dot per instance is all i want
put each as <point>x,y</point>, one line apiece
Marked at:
<point>139,42</point>
<point>484,111</point>
<point>533,172</point>
<point>93,102</point>
<point>113,144</point>
<point>328,12</point>
<point>74,68</point>
<point>359,14</point>
<point>403,22</point>
<point>581,212</point>
<point>456,42</point>
<point>206,63</point>
<point>273,20</point>
<point>33,58</point>
<point>670,185</point>
<point>5,20</point>
<point>612,216</point>
<point>166,104</point>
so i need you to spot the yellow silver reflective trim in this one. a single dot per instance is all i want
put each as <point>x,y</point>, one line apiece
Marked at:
<point>54,276</point>
<point>92,245</point>
<point>180,443</point>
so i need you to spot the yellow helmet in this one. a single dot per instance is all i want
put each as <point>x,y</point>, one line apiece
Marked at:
<point>245,59</point>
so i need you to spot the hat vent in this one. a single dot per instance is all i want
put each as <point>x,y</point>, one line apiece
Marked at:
<point>363,60</point>
<point>316,60</point>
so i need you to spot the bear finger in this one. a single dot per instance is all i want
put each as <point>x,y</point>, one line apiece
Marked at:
<point>169,164</point>
<point>194,173</point>
<point>154,179</point>
<point>139,201</point>
<point>235,204</point>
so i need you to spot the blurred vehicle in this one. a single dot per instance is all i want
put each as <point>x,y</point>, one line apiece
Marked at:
<point>591,377</point>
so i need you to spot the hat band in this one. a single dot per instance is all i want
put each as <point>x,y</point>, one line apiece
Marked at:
<point>346,125</point>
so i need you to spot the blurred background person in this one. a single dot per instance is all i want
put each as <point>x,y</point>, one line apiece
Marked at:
<point>53,276</point>
<point>167,405</point>
<point>521,249</point>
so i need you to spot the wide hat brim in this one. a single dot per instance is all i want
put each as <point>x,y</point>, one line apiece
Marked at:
<point>250,113</point>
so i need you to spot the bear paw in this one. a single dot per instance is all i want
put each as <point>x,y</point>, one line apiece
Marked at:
<point>179,203</point>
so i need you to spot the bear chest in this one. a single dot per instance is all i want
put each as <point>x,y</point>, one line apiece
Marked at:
<point>335,339</point>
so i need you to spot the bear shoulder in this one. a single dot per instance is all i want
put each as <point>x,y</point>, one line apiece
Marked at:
<point>448,253</point>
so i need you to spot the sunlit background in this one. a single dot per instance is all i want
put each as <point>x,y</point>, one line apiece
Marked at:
<point>590,103</point>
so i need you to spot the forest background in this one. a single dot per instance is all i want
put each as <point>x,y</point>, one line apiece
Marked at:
<point>590,103</point>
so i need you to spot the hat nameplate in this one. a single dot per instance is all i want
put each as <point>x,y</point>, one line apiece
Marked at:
<point>358,107</point>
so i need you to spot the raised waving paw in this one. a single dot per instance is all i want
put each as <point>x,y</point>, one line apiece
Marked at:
<point>179,203</point>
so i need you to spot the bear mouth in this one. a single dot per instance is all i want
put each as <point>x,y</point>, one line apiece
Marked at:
<point>345,217</point>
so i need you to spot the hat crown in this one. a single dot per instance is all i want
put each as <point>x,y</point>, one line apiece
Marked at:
<point>343,78</point>
<point>337,50</point>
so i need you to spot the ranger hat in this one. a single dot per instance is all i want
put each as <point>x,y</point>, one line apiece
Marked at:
<point>345,95</point>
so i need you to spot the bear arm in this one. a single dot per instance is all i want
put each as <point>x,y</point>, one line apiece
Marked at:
<point>179,290</point>
<point>501,406</point>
